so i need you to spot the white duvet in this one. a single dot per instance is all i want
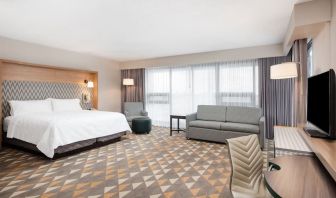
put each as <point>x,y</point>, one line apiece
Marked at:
<point>51,130</point>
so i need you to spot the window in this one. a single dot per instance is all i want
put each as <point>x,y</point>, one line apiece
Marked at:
<point>238,84</point>
<point>179,90</point>
<point>157,85</point>
<point>310,58</point>
<point>204,85</point>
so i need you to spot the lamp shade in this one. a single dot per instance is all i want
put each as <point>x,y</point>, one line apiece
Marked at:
<point>90,84</point>
<point>128,81</point>
<point>284,70</point>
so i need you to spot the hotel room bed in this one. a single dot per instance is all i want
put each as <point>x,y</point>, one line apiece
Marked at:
<point>60,132</point>
<point>48,116</point>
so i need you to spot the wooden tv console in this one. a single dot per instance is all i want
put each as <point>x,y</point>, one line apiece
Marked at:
<point>311,172</point>
<point>295,139</point>
<point>324,149</point>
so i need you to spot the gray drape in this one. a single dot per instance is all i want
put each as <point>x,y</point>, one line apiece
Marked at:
<point>277,96</point>
<point>132,93</point>
<point>299,55</point>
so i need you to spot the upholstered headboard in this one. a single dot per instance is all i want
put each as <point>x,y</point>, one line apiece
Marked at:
<point>30,90</point>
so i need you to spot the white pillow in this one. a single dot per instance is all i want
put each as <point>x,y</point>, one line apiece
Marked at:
<point>29,106</point>
<point>60,105</point>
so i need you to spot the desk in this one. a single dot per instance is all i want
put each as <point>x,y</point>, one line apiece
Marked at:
<point>289,139</point>
<point>300,141</point>
<point>324,149</point>
<point>299,176</point>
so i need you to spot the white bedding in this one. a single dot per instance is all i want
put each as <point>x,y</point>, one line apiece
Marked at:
<point>51,130</point>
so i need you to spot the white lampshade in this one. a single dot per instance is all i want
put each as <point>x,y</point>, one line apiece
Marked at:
<point>90,84</point>
<point>284,70</point>
<point>128,81</point>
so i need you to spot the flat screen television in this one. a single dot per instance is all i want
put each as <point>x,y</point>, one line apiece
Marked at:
<point>321,105</point>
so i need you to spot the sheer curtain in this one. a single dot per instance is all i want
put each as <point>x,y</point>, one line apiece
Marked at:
<point>157,95</point>
<point>179,90</point>
<point>204,85</point>
<point>238,83</point>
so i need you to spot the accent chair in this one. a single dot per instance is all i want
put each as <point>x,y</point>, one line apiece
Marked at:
<point>134,110</point>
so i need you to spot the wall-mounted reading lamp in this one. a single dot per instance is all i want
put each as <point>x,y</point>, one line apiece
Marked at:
<point>89,84</point>
<point>87,96</point>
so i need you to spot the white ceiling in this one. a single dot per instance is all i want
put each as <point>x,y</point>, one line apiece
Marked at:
<point>138,29</point>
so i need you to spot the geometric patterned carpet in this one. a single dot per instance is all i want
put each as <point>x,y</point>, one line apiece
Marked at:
<point>154,165</point>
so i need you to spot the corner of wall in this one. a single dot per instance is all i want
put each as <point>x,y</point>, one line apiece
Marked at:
<point>322,50</point>
<point>307,20</point>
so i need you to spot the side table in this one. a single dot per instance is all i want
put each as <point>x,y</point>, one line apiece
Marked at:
<point>178,117</point>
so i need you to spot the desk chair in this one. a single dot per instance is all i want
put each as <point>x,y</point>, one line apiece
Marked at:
<point>247,180</point>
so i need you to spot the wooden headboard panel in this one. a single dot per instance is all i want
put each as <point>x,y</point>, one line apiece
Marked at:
<point>20,71</point>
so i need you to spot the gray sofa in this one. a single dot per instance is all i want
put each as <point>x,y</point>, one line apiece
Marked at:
<point>218,123</point>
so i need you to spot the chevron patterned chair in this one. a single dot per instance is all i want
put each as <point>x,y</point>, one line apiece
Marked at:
<point>247,165</point>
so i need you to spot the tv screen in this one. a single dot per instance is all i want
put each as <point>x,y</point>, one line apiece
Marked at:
<point>320,101</point>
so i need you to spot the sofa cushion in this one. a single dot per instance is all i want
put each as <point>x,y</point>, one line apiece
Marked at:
<point>211,112</point>
<point>205,124</point>
<point>239,127</point>
<point>249,115</point>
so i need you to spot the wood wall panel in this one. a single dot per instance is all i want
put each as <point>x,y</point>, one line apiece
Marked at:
<point>15,70</point>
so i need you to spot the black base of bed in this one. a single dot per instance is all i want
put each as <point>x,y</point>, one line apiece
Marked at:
<point>65,150</point>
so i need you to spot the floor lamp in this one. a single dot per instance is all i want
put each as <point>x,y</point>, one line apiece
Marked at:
<point>128,81</point>
<point>284,71</point>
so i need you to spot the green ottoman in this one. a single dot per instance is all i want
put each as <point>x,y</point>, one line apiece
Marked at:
<point>141,125</point>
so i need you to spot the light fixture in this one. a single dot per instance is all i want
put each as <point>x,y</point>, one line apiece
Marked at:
<point>284,70</point>
<point>86,97</point>
<point>128,81</point>
<point>89,84</point>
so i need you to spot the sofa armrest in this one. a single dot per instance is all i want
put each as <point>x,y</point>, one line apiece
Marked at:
<point>189,118</point>
<point>144,113</point>
<point>262,128</point>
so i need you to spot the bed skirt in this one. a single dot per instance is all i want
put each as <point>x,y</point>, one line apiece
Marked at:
<point>60,151</point>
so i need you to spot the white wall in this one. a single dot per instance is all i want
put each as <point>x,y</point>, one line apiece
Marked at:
<point>333,34</point>
<point>108,71</point>
<point>324,45</point>
<point>208,57</point>
<point>311,12</point>
<point>321,50</point>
